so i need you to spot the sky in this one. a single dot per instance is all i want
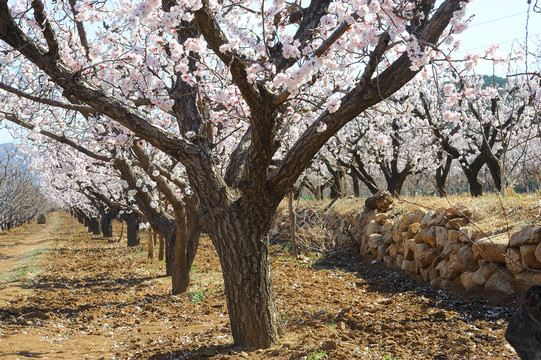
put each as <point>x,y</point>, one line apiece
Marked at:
<point>494,22</point>
<point>498,22</point>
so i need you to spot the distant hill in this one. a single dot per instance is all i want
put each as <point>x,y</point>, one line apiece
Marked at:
<point>496,81</point>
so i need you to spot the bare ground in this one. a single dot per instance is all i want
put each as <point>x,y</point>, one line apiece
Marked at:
<point>90,298</point>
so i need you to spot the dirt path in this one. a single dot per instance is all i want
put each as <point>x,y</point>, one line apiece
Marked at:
<point>96,299</point>
<point>19,249</point>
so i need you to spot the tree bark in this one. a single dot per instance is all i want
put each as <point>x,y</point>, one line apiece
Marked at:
<point>132,222</point>
<point>524,330</point>
<point>94,225</point>
<point>106,221</point>
<point>161,247</point>
<point>442,172</point>
<point>355,180</point>
<point>476,189</point>
<point>188,231</point>
<point>240,238</point>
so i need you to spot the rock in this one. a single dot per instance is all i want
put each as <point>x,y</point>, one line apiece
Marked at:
<point>388,260</point>
<point>427,218</point>
<point>500,282</point>
<point>407,249</point>
<point>457,223</point>
<point>42,219</point>
<point>513,261</point>
<point>403,222</point>
<point>467,234</point>
<point>387,227</point>
<point>529,259</point>
<point>381,251</point>
<point>529,278</point>
<point>451,248</point>
<point>431,236</point>
<point>524,328</point>
<point>392,250</point>
<point>538,252</point>
<point>453,235</point>
<point>439,220</point>
<point>485,271</point>
<point>432,274</point>
<point>373,228</point>
<point>441,236</point>
<point>528,235</point>
<point>418,249</point>
<point>458,211</point>
<point>436,261</point>
<point>381,218</point>
<point>374,241</point>
<point>397,237</point>
<point>413,229</point>
<point>421,235</point>
<point>388,237</point>
<point>381,201</point>
<point>442,267</point>
<point>454,268</point>
<point>418,216</point>
<point>427,257</point>
<point>491,249</point>
<point>399,259</point>
<point>409,266</point>
<point>425,274</point>
<point>466,279</point>
<point>465,257</point>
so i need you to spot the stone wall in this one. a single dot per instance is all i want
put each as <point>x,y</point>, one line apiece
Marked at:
<point>441,246</point>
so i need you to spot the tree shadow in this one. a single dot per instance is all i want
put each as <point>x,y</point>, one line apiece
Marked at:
<point>203,352</point>
<point>25,354</point>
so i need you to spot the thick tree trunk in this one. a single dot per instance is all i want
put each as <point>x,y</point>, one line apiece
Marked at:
<point>396,181</point>
<point>161,247</point>
<point>180,276</point>
<point>106,221</point>
<point>240,238</point>
<point>356,187</point>
<point>476,189</point>
<point>132,222</point>
<point>187,241</point>
<point>495,172</point>
<point>170,235</point>
<point>94,225</point>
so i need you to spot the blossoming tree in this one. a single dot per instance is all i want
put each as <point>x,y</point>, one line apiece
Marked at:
<point>243,94</point>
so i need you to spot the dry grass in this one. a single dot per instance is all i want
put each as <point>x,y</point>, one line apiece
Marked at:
<point>490,211</point>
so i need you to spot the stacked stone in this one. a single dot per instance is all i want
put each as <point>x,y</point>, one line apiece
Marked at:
<point>441,246</point>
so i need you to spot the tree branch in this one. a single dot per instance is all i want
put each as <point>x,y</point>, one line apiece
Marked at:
<point>81,108</point>
<point>311,18</point>
<point>215,38</point>
<point>61,139</point>
<point>45,25</point>
<point>74,84</point>
<point>356,101</point>
<point>80,29</point>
